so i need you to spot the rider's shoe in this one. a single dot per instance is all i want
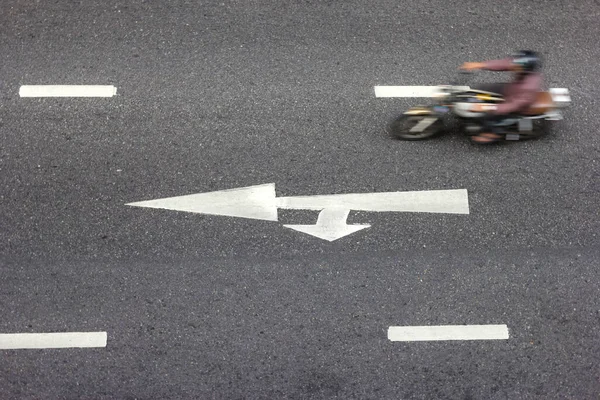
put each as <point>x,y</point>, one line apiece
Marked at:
<point>486,138</point>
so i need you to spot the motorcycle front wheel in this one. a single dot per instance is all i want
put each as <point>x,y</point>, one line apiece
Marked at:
<point>415,127</point>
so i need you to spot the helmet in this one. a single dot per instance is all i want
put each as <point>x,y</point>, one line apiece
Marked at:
<point>528,60</point>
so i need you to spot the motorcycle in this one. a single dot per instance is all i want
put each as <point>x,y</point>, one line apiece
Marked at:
<point>424,122</point>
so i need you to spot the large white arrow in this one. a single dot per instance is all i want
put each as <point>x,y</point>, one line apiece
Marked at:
<point>260,202</point>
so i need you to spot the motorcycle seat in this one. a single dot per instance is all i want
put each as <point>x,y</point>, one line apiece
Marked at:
<point>542,104</point>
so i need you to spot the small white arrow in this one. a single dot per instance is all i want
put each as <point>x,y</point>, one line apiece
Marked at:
<point>260,202</point>
<point>331,225</point>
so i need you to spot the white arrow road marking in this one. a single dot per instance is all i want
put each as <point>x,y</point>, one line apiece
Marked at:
<point>331,225</point>
<point>447,332</point>
<point>67,91</point>
<point>254,202</point>
<point>52,340</point>
<point>260,202</point>
<point>455,201</point>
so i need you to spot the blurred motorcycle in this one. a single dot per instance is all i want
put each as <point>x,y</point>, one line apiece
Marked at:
<point>424,122</point>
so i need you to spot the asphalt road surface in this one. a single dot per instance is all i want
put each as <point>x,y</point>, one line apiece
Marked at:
<point>222,95</point>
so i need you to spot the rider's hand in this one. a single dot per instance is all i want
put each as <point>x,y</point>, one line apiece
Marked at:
<point>482,107</point>
<point>470,66</point>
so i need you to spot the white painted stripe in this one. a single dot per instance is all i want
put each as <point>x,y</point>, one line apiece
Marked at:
<point>409,91</point>
<point>452,201</point>
<point>559,94</point>
<point>447,332</point>
<point>52,340</point>
<point>67,91</point>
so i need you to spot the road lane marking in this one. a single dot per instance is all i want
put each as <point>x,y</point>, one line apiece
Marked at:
<point>67,91</point>
<point>331,225</point>
<point>450,201</point>
<point>57,340</point>
<point>447,332</point>
<point>252,202</point>
<point>260,202</point>
<point>408,91</point>
<point>560,96</point>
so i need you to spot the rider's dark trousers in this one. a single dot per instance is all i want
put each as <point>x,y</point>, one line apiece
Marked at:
<point>490,121</point>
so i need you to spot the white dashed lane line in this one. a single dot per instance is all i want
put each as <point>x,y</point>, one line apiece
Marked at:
<point>52,340</point>
<point>447,332</point>
<point>408,91</point>
<point>559,95</point>
<point>67,91</point>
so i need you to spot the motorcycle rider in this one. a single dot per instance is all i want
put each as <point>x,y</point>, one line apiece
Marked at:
<point>518,95</point>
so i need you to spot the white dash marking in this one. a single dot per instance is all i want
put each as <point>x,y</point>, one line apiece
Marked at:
<point>67,91</point>
<point>447,332</point>
<point>57,340</point>
<point>408,91</point>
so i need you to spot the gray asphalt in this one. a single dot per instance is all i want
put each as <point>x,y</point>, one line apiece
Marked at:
<point>216,96</point>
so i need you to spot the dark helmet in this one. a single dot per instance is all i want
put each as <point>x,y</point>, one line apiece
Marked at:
<point>528,60</point>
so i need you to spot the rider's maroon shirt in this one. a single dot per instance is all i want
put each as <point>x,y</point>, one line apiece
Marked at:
<point>519,94</point>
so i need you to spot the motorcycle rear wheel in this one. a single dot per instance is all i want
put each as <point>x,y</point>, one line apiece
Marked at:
<point>400,127</point>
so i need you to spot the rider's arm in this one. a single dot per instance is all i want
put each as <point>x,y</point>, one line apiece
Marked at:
<point>505,64</point>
